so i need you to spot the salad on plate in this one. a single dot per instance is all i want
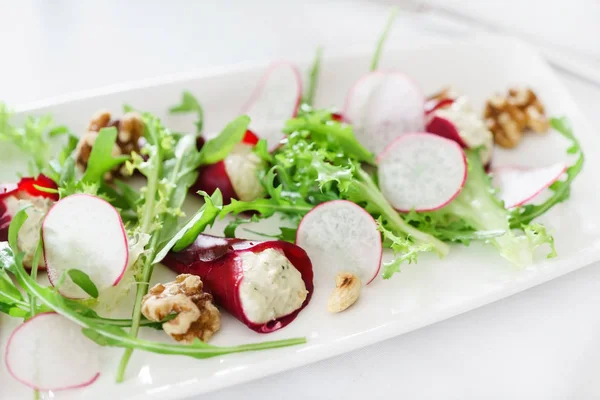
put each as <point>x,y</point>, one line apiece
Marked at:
<point>86,225</point>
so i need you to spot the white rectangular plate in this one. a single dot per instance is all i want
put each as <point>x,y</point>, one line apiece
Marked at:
<point>423,293</point>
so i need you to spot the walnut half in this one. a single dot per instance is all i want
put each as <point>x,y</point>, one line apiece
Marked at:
<point>130,131</point>
<point>507,117</point>
<point>197,317</point>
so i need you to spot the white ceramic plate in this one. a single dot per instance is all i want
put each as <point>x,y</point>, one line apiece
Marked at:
<point>427,292</point>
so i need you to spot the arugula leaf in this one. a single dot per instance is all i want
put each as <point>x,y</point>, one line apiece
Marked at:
<point>82,280</point>
<point>313,78</point>
<point>219,147</point>
<point>232,226</point>
<point>15,226</point>
<point>561,189</point>
<point>9,293</point>
<point>197,349</point>
<point>285,234</point>
<point>113,335</point>
<point>190,104</point>
<point>383,38</point>
<point>101,159</point>
<point>14,312</point>
<point>170,168</point>
<point>195,226</point>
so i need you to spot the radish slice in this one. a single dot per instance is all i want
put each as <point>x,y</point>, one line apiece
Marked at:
<point>340,236</point>
<point>86,233</point>
<point>49,352</point>
<point>274,101</point>
<point>383,106</point>
<point>432,105</point>
<point>421,171</point>
<point>519,186</point>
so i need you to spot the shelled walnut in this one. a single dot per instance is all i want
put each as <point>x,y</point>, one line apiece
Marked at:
<point>508,117</point>
<point>130,132</point>
<point>197,317</point>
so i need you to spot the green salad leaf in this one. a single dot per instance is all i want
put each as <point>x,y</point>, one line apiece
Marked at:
<point>561,190</point>
<point>189,104</point>
<point>383,39</point>
<point>219,147</point>
<point>103,333</point>
<point>313,78</point>
<point>33,137</point>
<point>195,226</point>
<point>83,280</point>
<point>319,161</point>
<point>101,159</point>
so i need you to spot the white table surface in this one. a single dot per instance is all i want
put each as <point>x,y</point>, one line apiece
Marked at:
<point>540,344</point>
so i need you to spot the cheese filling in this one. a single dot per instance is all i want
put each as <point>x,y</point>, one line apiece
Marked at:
<point>242,166</point>
<point>271,288</point>
<point>472,129</point>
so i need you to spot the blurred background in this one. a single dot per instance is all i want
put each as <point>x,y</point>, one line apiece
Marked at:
<point>540,344</point>
<point>60,46</point>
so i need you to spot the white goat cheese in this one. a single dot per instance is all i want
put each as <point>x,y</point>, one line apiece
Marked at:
<point>242,167</point>
<point>271,288</point>
<point>470,126</point>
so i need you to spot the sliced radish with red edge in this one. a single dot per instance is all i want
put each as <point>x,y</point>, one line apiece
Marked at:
<point>382,106</point>
<point>340,236</point>
<point>421,171</point>
<point>518,186</point>
<point>432,105</point>
<point>86,233</point>
<point>49,352</point>
<point>274,101</point>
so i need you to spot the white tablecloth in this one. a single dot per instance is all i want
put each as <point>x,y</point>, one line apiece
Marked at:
<point>540,344</point>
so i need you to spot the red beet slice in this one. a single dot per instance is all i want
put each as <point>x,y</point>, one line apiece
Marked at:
<point>217,261</point>
<point>215,176</point>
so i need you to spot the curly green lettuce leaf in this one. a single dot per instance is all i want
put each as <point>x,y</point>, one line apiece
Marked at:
<point>33,138</point>
<point>449,228</point>
<point>561,190</point>
<point>310,169</point>
<point>405,250</point>
<point>328,133</point>
<point>478,205</point>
